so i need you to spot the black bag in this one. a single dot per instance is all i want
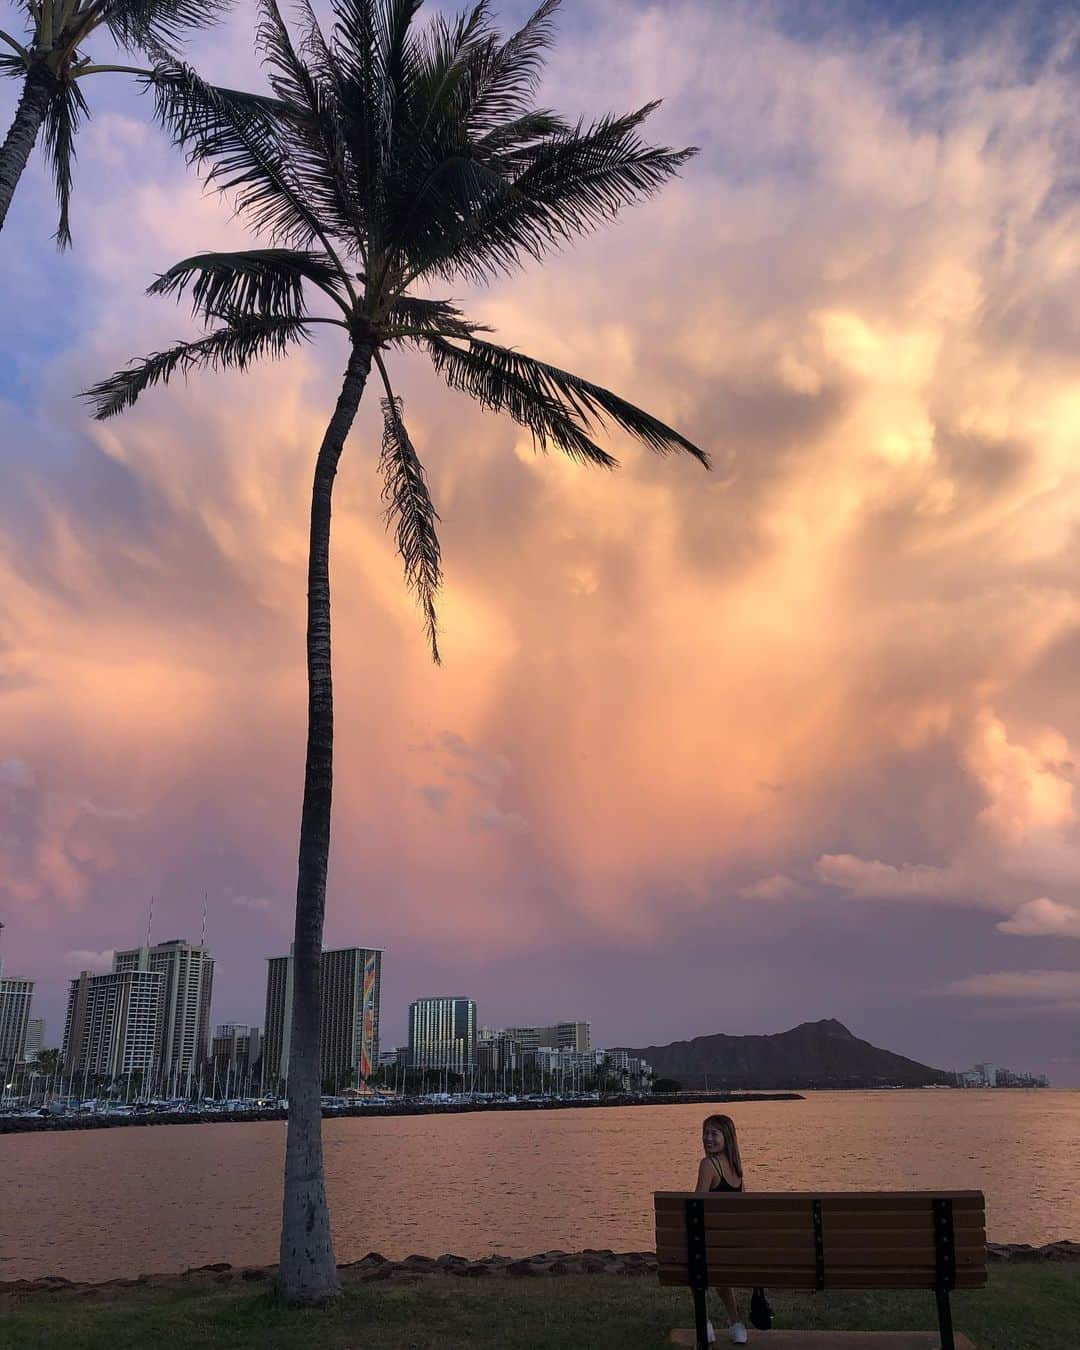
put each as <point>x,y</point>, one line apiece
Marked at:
<point>760,1310</point>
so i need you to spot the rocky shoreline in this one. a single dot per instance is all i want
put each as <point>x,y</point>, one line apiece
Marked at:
<point>377,1268</point>
<point>50,1124</point>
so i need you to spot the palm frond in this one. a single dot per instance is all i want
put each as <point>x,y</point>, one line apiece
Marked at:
<point>485,366</point>
<point>568,185</point>
<point>410,510</point>
<point>266,281</point>
<point>445,58</point>
<point>241,140</point>
<point>548,420</point>
<point>510,146</point>
<point>506,75</point>
<point>438,317</point>
<point>243,340</point>
<point>66,112</point>
<point>353,52</point>
<point>317,149</point>
<point>144,25</point>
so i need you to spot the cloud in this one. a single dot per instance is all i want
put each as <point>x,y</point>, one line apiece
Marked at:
<point>258,903</point>
<point>862,878</point>
<point>774,887</point>
<point>97,962</point>
<point>436,797</point>
<point>15,773</point>
<point>491,818</point>
<point>1043,985</point>
<point>866,291</point>
<point>109,812</point>
<point>1043,918</point>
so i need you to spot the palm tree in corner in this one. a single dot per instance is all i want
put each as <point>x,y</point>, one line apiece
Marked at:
<point>396,158</point>
<point>51,62</point>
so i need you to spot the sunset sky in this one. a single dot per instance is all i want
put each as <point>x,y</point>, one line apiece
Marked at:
<point>725,751</point>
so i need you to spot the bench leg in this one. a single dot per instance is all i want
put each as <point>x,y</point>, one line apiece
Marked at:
<point>944,1317</point>
<point>701,1320</point>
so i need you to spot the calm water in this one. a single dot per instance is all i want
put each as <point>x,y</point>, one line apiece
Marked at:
<point>105,1203</point>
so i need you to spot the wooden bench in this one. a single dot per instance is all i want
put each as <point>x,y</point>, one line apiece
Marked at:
<point>829,1240</point>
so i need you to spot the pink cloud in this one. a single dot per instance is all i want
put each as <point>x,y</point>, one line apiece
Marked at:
<point>1043,918</point>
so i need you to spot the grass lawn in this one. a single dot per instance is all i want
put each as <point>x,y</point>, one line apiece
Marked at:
<point>1034,1307</point>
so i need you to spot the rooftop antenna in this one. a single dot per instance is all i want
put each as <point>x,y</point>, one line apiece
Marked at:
<point>150,924</point>
<point>202,943</point>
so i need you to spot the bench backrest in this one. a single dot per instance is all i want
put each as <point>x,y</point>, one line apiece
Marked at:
<point>823,1240</point>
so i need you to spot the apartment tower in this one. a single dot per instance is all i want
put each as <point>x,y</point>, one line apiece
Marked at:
<point>442,1034</point>
<point>111,1025</point>
<point>183,1033</point>
<point>15,996</point>
<point>351,988</point>
<point>556,1036</point>
<point>235,1052</point>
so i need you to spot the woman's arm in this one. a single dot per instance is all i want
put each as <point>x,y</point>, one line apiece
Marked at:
<point>705,1174</point>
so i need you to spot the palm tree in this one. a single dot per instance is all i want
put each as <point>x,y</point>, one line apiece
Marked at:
<point>47,1062</point>
<point>395,158</point>
<point>51,62</point>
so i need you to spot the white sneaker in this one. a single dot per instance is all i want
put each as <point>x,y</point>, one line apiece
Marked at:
<point>738,1333</point>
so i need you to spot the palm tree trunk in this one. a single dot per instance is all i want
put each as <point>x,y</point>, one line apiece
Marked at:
<point>308,1272</point>
<point>38,89</point>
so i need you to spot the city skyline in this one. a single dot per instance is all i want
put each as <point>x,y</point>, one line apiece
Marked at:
<point>567,1036</point>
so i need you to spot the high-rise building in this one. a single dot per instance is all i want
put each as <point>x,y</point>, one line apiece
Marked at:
<point>497,1052</point>
<point>557,1036</point>
<point>35,1038</point>
<point>15,996</point>
<point>442,1034</point>
<point>112,1021</point>
<point>183,1033</point>
<point>351,986</point>
<point>235,1052</point>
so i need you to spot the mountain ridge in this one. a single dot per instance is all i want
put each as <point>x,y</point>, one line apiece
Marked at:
<point>821,1054</point>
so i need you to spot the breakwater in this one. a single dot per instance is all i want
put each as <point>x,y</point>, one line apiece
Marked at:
<point>105,1120</point>
<point>374,1267</point>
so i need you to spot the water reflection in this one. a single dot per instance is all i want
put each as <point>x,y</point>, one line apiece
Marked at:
<point>105,1203</point>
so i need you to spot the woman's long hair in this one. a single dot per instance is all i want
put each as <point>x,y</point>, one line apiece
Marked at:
<point>726,1126</point>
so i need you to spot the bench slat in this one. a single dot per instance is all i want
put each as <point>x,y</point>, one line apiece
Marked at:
<point>912,1222</point>
<point>797,1219</point>
<point>898,1201</point>
<point>804,1251</point>
<point>801,1277</point>
<point>848,1231</point>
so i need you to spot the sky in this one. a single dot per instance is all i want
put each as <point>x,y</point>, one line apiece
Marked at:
<point>708,752</point>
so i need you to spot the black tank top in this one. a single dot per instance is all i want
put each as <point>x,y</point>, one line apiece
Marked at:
<point>723,1184</point>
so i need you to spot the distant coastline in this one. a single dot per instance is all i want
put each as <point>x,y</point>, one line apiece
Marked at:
<point>108,1120</point>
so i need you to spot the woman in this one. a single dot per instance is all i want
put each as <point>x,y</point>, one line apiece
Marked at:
<point>721,1170</point>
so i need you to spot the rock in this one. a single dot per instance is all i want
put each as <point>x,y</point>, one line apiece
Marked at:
<point>255,1273</point>
<point>526,1268</point>
<point>384,1272</point>
<point>1059,1251</point>
<point>477,1270</point>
